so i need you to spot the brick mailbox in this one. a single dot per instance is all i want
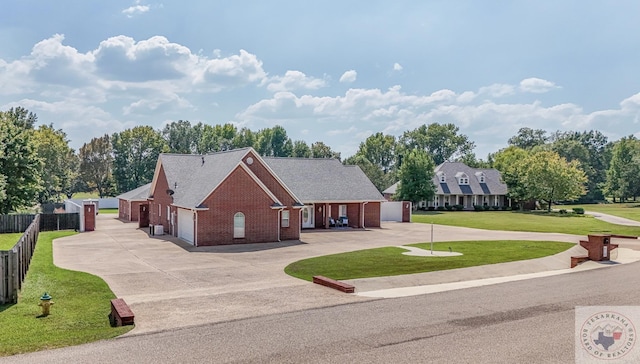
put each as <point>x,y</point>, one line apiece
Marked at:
<point>599,247</point>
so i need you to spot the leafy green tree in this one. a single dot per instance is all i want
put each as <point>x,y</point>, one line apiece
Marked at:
<point>135,153</point>
<point>372,171</point>
<point>181,137</point>
<point>379,149</point>
<point>57,174</point>
<point>19,163</point>
<point>442,141</point>
<point>217,138</point>
<point>624,169</point>
<point>274,142</point>
<point>244,138</point>
<point>509,162</point>
<point>416,178</point>
<point>321,150</point>
<point>549,177</point>
<point>301,149</point>
<point>528,138</point>
<point>95,166</point>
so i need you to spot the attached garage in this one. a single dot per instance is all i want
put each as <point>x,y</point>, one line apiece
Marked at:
<point>185,225</point>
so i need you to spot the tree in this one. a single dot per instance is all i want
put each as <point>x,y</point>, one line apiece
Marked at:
<point>528,138</point>
<point>624,169</point>
<point>181,137</point>
<point>549,177</point>
<point>416,178</point>
<point>301,149</point>
<point>244,138</point>
<point>217,138</point>
<point>95,166</point>
<point>135,153</point>
<point>509,162</point>
<point>379,149</point>
<point>19,163</point>
<point>321,150</point>
<point>372,171</point>
<point>441,141</point>
<point>274,142</point>
<point>53,150</point>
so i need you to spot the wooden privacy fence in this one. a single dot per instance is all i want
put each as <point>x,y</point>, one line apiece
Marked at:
<point>15,223</point>
<point>48,222</point>
<point>14,263</point>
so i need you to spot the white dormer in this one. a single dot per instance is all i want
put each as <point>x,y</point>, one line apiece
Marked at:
<point>481,177</point>
<point>462,177</point>
<point>442,177</point>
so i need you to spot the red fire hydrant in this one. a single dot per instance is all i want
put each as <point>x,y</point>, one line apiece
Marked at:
<point>45,303</point>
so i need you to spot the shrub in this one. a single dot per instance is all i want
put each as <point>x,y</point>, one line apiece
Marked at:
<point>578,210</point>
<point>440,208</point>
<point>449,207</point>
<point>478,208</point>
<point>431,208</point>
<point>459,207</point>
<point>486,207</point>
<point>563,212</point>
<point>496,208</point>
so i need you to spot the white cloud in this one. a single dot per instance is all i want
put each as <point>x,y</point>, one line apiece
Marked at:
<point>397,67</point>
<point>537,85</point>
<point>294,80</point>
<point>136,9</point>
<point>349,76</point>
<point>497,90</point>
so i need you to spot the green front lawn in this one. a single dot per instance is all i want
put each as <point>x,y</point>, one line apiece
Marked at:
<point>389,261</point>
<point>525,221</point>
<point>7,241</point>
<point>626,210</point>
<point>79,313</point>
<point>108,211</point>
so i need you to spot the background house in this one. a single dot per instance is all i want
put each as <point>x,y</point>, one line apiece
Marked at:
<point>237,196</point>
<point>458,184</point>
<point>129,202</point>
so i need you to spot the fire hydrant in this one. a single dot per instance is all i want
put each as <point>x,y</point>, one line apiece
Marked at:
<point>46,303</point>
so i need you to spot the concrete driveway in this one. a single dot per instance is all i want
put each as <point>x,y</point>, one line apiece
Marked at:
<point>170,284</point>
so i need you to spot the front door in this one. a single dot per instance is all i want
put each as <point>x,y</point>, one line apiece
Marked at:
<point>89,217</point>
<point>143,217</point>
<point>461,200</point>
<point>307,217</point>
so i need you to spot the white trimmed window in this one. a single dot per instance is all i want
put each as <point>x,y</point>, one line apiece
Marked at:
<point>342,210</point>
<point>238,225</point>
<point>442,177</point>
<point>285,218</point>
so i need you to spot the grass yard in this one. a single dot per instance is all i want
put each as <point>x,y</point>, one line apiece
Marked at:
<point>389,261</point>
<point>79,313</point>
<point>627,210</point>
<point>86,195</point>
<point>525,221</point>
<point>7,241</point>
<point>108,211</point>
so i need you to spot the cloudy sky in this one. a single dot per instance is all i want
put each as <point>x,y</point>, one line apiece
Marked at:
<point>331,71</point>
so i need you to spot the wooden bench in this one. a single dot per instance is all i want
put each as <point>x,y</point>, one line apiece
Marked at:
<point>332,283</point>
<point>120,314</point>
<point>577,260</point>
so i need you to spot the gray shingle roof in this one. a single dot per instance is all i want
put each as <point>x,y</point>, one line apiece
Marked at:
<point>192,180</point>
<point>324,180</point>
<point>493,181</point>
<point>139,194</point>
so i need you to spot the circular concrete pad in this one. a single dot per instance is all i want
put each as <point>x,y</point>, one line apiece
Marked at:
<point>417,252</point>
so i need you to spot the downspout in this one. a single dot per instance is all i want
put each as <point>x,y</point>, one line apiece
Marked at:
<point>278,224</point>
<point>364,203</point>
<point>195,228</point>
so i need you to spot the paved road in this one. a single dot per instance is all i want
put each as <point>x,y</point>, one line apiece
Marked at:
<point>613,219</point>
<point>517,322</point>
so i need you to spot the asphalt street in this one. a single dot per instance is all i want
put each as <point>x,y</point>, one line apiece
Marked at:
<point>528,321</point>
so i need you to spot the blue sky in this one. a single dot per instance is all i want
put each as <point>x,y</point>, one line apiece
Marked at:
<point>331,71</point>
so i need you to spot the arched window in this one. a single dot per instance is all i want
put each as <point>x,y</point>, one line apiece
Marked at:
<point>238,225</point>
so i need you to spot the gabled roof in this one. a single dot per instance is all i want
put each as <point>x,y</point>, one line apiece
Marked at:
<point>139,194</point>
<point>493,182</point>
<point>324,180</point>
<point>452,170</point>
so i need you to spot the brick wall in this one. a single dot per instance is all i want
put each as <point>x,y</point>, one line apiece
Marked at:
<point>238,193</point>
<point>123,209</point>
<point>372,214</point>
<point>158,206</point>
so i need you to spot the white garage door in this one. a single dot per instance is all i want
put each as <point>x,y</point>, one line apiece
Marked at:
<point>185,225</point>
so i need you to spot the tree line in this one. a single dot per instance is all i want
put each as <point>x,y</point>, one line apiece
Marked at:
<point>37,165</point>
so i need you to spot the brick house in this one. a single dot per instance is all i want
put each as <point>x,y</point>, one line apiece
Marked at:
<point>237,197</point>
<point>129,202</point>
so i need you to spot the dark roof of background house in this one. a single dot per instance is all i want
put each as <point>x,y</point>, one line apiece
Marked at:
<point>324,180</point>
<point>493,181</point>
<point>139,194</point>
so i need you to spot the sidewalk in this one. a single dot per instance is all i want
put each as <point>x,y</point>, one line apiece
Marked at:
<point>613,219</point>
